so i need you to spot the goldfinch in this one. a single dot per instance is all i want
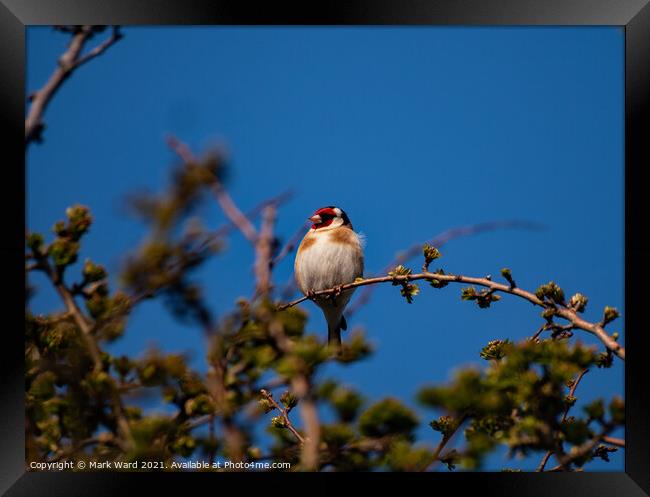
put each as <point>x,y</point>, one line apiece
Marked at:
<point>330,255</point>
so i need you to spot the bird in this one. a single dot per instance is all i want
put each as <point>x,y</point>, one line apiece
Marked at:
<point>329,256</point>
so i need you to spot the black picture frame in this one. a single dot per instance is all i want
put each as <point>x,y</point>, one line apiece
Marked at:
<point>632,15</point>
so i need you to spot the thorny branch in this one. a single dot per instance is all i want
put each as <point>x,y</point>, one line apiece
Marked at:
<point>570,315</point>
<point>71,59</point>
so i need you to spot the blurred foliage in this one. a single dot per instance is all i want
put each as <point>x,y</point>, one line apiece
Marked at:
<point>86,405</point>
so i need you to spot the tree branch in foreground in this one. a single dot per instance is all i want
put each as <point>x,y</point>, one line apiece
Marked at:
<point>572,392</point>
<point>283,420</point>
<point>553,308</point>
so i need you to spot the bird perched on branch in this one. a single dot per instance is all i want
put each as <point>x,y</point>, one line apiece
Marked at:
<point>329,256</point>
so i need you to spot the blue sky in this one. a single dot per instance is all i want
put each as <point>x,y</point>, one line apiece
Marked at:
<point>412,130</point>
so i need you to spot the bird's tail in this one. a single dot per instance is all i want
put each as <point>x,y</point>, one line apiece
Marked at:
<point>334,333</point>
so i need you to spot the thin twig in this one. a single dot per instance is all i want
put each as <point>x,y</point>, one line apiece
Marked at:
<point>435,458</point>
<point>301,388</point>
<point>276,201</point>
<point>572,391</point>
<point>116,35</point>
<point>285,415</point>
<point>539,332</point>
<point>236,216</point>
<point>581,451</point>
<point>67,64</point>
<point>86,328</point>
<point>104,438</point>
<point>564,312</point>
<point>618,442</point>
<point>290,245</point>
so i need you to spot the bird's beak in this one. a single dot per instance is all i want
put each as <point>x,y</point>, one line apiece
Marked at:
<point>316,219</point>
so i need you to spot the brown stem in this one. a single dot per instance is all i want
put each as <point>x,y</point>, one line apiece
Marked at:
<point>301,387</point>
<point>236,216</point>
<point>217,388</point>
<point>564,312</point>
<point>86,329</point>
<point>285,416</point>
<point>581,451</point>
<point>263,252</point>
<point>251,214</point>
<point>572,391</point>
<point>309,414</point>
<point>435,458</point>
<point>68,63</point>
<point>618,442</point>
<point>290,245</point>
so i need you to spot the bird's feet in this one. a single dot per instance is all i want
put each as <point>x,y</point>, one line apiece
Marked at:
<point>333,296</point>
<point>310,294</point>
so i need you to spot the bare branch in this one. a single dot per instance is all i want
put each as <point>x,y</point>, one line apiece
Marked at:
<point>116,35</point>
<point>291,244</point>
<point>263,252</point>
<point>595,329</point>
<point>68,63</point>
<point>276,201</point>
<point>618,442</point>
<point>236,216</point>
<point>224,199</point>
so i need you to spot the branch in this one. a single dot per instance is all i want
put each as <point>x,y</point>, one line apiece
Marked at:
<point>438,241</point>
<point>264,252</point>
<point>104,438</point>
<point>285,415</point>
<point>229,208</point>
<point>116,35</point>
<point>618,442</point>
<point>595,329</point>
<point>85,326</point>
<point>276,201</point>
<point>435,458</point>
<point>581,451</point>
<point>236,216</point>
<point>572,391</point>
<point>290,245</point>
<point>301,387</point>
<point>68,63</point>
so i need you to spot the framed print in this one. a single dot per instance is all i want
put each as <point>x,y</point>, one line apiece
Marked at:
<point>259,242</point>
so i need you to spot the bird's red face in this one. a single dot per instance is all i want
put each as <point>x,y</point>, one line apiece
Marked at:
<point>325,216</point>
